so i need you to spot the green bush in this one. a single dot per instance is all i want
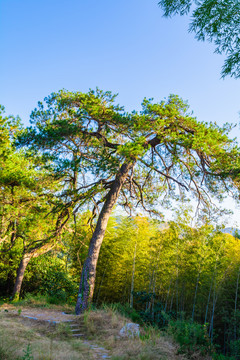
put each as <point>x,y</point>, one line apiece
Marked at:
<point>47,275</point>
<point>37,300</point>
<point>59,297</point>
<point>58,287</point>
<point>191,337</point>
<point>222,357</point>
<point>235,348</point>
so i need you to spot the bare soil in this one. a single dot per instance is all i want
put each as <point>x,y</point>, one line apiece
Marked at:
<point>39,313</point>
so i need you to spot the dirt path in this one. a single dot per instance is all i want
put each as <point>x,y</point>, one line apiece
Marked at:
<point>56,317</point>
<point>43,314</point>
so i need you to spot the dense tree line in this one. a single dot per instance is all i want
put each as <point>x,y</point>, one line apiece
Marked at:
<point>177,269</point>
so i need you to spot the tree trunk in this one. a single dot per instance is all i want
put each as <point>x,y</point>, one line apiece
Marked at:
<point>209,295</point>
<point>35,252</point>
<point>103,276</point>
<point>86,287</point>
<point>133,274</point>
<point>153,294</point>
<point>165,308</point>
<point>195,296</point>
<point>212,317</point>
<point>20,275</point>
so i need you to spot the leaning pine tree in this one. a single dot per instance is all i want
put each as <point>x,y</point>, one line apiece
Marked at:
<point>105,156</point>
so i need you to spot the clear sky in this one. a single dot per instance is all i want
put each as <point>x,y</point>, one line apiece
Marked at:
<point>123,46</point>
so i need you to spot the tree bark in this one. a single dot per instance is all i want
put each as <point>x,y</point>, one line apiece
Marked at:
<point>133,274</point>
<point>195,295</point>
<point>87,282</point>
<point>37,251</point>
<point>20,275</point>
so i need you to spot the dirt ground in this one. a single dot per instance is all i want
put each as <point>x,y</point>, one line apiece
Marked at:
<point>43,314</point>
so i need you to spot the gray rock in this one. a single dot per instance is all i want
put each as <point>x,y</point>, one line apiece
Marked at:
<point>130,330</point>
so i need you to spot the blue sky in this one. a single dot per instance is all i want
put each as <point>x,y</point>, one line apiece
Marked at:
<point>123,46</point>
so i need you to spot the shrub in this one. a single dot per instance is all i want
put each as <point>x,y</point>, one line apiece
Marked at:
<point>191,337</point>
<point>58,287</point>
<point>222,357</point>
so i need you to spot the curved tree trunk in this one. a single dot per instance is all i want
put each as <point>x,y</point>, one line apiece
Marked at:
<point>86,287</point>
<point>20,275</point>
<point>35,252</point>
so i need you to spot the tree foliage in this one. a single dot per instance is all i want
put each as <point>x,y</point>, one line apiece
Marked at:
<point>87,138</point>
<point>105,156</point>
<point>178,268</point>
<point>27,224</point>
<point>215,21</point>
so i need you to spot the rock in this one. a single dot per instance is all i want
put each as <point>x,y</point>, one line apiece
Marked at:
<point>130,330</point>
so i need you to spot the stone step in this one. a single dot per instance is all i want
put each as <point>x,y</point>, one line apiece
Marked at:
<point>77,327</point>
<point>77,335</point>
<point>75,330</point>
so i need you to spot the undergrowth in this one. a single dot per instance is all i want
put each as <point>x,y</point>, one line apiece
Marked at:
<point>191,337</point>
<point>4,354</point>
<point>43,301</point>
<point>124,310</point>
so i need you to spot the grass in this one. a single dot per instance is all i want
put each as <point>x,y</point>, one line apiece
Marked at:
<point>37,302</point>
<point>26,339</point>
<point>45,341</point>
<point>103,326</point>
<point>42,301</point>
